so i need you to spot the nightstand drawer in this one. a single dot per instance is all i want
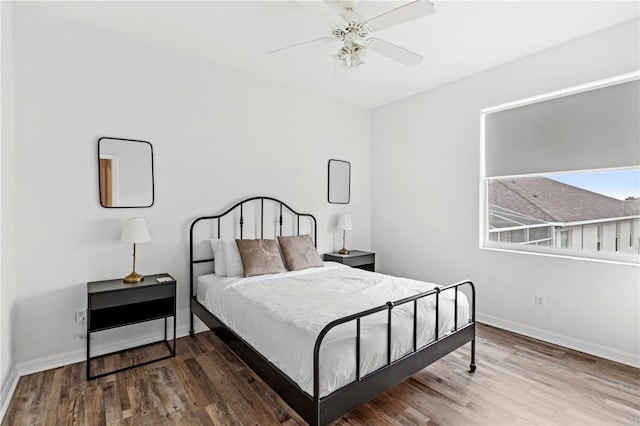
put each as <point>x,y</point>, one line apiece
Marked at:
<point>356,259</point>
<point>117,316</point>
<point>360,260</point>
<point>134,295</point>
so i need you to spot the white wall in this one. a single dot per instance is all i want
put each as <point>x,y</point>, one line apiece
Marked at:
<point>217,137</point>
<point>425,174</point>
<point>7,215</point>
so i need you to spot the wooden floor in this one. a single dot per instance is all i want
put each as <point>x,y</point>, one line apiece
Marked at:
<point>518,381</point>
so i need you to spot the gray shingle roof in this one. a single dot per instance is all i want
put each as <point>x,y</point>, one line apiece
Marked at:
<point>552,201</point>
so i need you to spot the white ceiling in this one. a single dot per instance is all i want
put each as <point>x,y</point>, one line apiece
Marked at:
<point>460,39</point>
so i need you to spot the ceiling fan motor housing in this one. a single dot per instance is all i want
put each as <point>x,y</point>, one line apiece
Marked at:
<point>350,30</point>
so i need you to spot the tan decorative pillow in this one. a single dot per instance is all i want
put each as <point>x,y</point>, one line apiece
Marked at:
<point>299,252</point>
<point>260,257</point>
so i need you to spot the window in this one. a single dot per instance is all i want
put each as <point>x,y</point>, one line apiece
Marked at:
<point>565,239</point>
<point>576,211</point>
<point>599,240</point>
<point>561,173</point>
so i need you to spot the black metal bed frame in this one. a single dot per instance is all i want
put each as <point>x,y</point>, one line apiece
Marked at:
<point>318,410</point>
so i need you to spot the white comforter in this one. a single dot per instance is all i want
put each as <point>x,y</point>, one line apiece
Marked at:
<point>281,316</point>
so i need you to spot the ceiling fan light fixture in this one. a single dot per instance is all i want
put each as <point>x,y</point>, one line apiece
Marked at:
<point>351,54</point>
<point>358,56</point>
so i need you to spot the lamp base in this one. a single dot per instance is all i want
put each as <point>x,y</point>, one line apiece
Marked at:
<point>343,251</point>
<point>133,277</point>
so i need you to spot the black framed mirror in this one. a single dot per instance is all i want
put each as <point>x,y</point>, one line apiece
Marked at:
<point>125,168</point>
<point>339,191</point>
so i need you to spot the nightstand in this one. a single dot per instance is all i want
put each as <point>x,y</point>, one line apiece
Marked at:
<point>356,259</point>
<point>114,303</point>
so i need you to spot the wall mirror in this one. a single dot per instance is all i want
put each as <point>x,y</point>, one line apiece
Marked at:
<point>339,182</point>
<point>125,173</point>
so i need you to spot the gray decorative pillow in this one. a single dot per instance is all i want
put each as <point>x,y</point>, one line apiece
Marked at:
<point>260,257</point>
<point>299,252</point>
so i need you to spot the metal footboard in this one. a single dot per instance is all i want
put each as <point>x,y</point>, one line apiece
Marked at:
<point>324,415</point>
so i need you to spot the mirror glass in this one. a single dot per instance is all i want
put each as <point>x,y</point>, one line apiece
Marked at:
<point>126,173</point>
<point>339,181</point>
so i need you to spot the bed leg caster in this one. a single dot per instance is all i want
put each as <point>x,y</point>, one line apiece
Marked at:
<point>472,365</point>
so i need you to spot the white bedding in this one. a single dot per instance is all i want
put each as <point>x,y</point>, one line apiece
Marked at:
<point>281,316</point>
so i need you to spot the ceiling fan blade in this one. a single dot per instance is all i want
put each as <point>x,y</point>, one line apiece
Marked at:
<point>408,12</point>
<point>276,52</point>
<point>320,8</point>
<point>397,53</point>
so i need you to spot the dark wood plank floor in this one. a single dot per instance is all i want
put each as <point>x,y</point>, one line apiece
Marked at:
<point>518,381</point>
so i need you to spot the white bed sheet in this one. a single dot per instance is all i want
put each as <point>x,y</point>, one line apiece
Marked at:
<point>281,316</point>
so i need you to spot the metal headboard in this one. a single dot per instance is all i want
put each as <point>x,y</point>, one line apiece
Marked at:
<point>240,205</point>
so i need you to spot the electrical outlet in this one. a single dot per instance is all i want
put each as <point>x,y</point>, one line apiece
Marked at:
<point>541,302</point>
<point>81,316</point>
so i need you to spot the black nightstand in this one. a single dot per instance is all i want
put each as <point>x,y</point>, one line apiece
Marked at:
<point>114,303</point>
<point>356,259</point>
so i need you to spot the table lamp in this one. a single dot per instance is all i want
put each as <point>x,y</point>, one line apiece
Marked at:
<point>134,231</point>
<point>344,225</point>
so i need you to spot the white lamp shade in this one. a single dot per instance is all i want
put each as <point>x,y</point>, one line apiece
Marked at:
<point>344,223</point>
<point>135,231</point>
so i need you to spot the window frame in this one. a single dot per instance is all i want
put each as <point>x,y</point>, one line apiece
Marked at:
<point>485,243</point>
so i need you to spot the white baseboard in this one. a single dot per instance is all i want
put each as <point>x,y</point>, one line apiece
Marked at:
<point>7,391</point>
<point>591,348</point>
<point>80,355</point>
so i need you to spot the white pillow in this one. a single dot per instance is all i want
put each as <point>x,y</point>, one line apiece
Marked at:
<point>218,257</point>
<point>232,259</point>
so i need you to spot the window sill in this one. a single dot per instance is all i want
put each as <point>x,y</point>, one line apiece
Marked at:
<point>612,258</point>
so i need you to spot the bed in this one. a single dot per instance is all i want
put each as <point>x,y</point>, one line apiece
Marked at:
<point>326,338</point>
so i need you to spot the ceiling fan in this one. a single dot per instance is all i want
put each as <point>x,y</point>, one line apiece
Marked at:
<point>351,28</point>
